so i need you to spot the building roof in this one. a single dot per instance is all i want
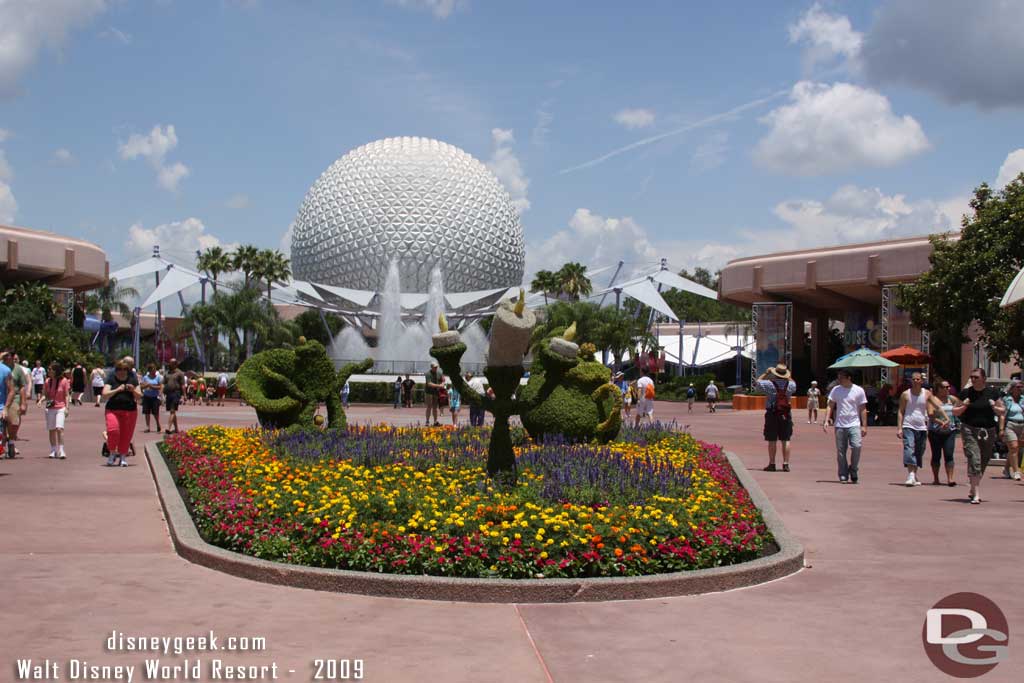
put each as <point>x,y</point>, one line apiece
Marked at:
<point>57,260</point>
<point>847,277</point>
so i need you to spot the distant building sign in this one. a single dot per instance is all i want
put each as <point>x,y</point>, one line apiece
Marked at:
<point>861,330</point>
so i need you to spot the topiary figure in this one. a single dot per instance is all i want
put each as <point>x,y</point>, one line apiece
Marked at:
<point>584,406</point>
<point>286,386</point>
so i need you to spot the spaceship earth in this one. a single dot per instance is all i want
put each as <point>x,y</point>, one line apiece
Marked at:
<point>417,200</point>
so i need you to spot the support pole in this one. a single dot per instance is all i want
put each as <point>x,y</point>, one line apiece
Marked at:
<point>323,319</point>
<point>136,337</point>
<point>682,324</point>
<point>157,328</point>
<point>612,282</point>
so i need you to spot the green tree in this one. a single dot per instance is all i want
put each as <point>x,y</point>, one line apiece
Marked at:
<point>215,261</point>
<point>245,259</point>
<point>573,281</point>
<point>969,276</point>
<point>111,297</point>
<point>617,331</point>
<point>545,281</point>
<point>271,266</point>
<point>312,327</point>
<point>243,319</point>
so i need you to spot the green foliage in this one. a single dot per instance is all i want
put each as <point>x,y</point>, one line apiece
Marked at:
<point>111,297</point>
<point>689,306</point>
<point>285,386</point>
<point>969,276</point>
<point>573,281</point>
<point>546,282</point>
<point>379,392</point>
<point>572,409</point>
<point>33,324</point>
<point>674,388</point>
<point>215,261</point>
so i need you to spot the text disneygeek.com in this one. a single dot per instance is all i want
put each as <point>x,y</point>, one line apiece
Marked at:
<point>160,662</point>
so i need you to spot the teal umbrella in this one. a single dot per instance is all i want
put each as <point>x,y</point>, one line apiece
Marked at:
<point>863,358</point>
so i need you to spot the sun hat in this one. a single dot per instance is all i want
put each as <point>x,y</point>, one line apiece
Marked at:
<point>780,371</point>
<point>814,382</point>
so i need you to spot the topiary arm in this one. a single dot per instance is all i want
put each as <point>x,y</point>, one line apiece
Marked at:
<point>448,358</point>
<point>275,380</point>
<point>610,424</point>
<point>352,368</point>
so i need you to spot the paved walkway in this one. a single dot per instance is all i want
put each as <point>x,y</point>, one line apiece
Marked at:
<point>85,551</point>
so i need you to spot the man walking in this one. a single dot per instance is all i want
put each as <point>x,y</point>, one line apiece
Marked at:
<point>408,384</point>
<point>174,384</point>
<point>691,396</point>
<point>848,412</point>
<point>978,413</point>
<point>432,385</point>
<point>912,418</point>
<point>38,379</point>
<point>645,398</point>
<point>778,418</point>
<point>18,401</point>
<point>476,412</point>
<point>813,396</point>
<point>711,396</point>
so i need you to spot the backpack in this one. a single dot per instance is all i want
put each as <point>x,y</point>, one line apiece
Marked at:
<point>782,407</point>
<point>690,393</point>
<point>442,396</point>
<point>649,392</point>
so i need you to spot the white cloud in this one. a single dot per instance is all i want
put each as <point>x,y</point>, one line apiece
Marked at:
<point>960,51</point>
<point>635,118</point>
<point>711,153</point>
<point>154,148</point>
<point>5,135</point>
<point>237,201</point>
<point>8,205</point>
<point>285,245</point>
<point>831,128</point>
<point>26,28</point>
<point>5,168</point>
<point>827,37</point>
<point>505,165</point>
<point>63,156</point>
<point>595,240</point>
<point>1011,168</point>
<point>441,9</point>
<point>178,241</point>
<point>856,214</point>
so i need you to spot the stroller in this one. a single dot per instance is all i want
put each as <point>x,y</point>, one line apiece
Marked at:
<point>105,452</point>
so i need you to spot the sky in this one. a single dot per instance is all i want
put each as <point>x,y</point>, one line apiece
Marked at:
<point>697,132</point>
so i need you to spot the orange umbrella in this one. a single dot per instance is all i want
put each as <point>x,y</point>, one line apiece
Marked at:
<point>907,355</point>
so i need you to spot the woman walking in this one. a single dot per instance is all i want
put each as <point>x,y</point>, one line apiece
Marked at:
<point>77,384</point>
<point>55,394</point>
<point>1011,426</point>
<point>122,393</point>
<point>150,385</point>
<point>99,378</point>
<point>943,427</point>
<point>454,403</point>
<point>978,411</point>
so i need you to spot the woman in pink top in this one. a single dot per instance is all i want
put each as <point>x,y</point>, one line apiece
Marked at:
<point>55,393</point>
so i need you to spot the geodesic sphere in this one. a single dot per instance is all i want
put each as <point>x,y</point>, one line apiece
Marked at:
<point>421,201</point>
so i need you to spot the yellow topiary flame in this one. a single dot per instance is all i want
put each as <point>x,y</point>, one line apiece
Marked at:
<point>570,332</point>
<point>521,304</point>
<point>442,323</point>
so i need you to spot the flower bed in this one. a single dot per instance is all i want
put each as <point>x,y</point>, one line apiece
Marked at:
<point>417,501</point>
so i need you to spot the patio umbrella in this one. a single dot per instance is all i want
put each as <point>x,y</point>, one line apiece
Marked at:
<point>907,355</point>
<point>1015,292</point>
<point>863,358</point>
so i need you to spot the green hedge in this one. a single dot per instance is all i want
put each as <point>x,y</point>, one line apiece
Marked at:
<point>674,388</point>
<point>379,392</point>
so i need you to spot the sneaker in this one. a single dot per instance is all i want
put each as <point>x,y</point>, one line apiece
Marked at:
<point>61,454</point>
<point>53,454</point>
<point>769,468</point>
<point>909,481</point>
<point>842,480</point>
<point>1016,476</point>
<point>917,483</point>
<point>124,463</point>
<point>975,500</point>
<point>785,467</point>
<point>853,480</point>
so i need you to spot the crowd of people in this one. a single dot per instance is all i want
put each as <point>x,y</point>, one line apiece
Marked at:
<point>439,395</point>
<point>56,390</point>
<point>927,417</point>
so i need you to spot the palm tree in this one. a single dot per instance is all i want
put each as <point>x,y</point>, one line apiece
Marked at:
<point>213,262</point>
<point>573,280</point>
<point>271,266</point>
<point>242,318</point>
<point>544,281</point>
<point>246,259</point>
<point>111,297</point>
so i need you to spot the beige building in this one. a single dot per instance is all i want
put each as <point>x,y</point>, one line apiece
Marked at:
<point>59,261</point>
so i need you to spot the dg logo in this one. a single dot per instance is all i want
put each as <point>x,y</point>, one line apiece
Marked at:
<point>965,635</point>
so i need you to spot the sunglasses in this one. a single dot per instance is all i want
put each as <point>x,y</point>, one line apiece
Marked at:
<point>976,377</point>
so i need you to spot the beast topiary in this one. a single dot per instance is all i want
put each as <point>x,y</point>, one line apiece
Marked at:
<point>286,386</point>
<point>584,406</point>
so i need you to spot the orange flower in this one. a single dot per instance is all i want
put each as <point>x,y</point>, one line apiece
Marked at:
<point>618,552</point>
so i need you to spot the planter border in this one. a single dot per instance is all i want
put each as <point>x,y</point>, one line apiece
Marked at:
<point>190,545</point>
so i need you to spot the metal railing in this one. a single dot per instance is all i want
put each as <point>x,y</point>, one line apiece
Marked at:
<point>411,367</point>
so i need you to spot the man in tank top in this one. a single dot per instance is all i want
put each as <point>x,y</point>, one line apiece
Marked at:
<point>912,419</point>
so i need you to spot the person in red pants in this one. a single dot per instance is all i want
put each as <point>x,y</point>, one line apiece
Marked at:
<point>122,393</point>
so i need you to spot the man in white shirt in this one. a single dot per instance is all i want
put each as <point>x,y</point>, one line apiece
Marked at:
<point>38,378</point>
<point>848,412</point>
<point>711,396</point>
<point>476,413</point>
<point>645,399</point>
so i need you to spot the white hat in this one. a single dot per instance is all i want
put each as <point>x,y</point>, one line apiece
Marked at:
<point>814,382</point>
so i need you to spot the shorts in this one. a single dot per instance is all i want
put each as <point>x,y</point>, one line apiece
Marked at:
<point>1014,432</point>
<point>39,389</point>
<point>54,418</point>
<point>690,400</point>
<point>978,443</point>
<point>645,406</point>
<point>173,399</point>
<point>221,392</point>
<point>14,417</point>
<point>151,405</point>
<point>627,400</point>
<point>777,427</point>
<point>430,400</point>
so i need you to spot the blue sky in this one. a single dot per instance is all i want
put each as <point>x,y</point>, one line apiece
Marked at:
<point>788,124</point>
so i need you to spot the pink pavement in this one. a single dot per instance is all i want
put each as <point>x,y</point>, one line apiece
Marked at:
<point>85,551</point>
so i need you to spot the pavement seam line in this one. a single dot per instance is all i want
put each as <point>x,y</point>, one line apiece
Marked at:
<point>533,643</point>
